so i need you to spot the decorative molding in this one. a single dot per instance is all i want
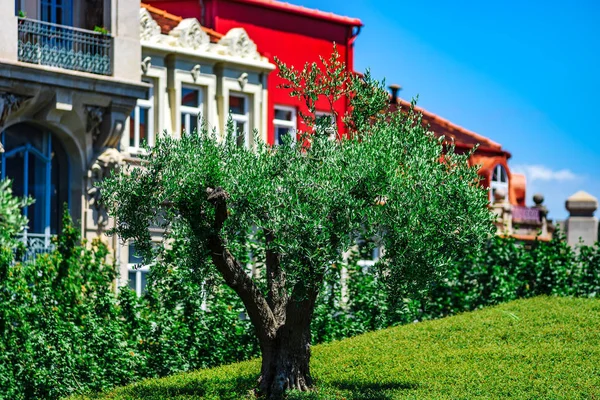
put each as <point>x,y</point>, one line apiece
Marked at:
<point>145,64</point>
<point>9,103</point>
<point>110,161</point>
<point>189,34</point>
<point>195,72</point>
<point>149,29</point>
<point>242,80</point>
<point>95,115</point>
<point>237,43</point>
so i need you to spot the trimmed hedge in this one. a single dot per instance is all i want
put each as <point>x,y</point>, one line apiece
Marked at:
<point>63,329</point>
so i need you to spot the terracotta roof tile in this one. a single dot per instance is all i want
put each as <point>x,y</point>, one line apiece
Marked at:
<point>444,127</point>
<point>168,21</point>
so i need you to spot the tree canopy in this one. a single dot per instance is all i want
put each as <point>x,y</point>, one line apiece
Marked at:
<point>306,203</point>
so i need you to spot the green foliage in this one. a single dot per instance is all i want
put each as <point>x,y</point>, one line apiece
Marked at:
<point>64,330</point>
<point>59,327</point>
<point>528,349</point>
<point>503,271</point>
<point>12,221</point>
<point>391,179</point>
<point>101,29</point>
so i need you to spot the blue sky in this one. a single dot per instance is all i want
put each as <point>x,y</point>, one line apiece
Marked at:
<point>523,73</point>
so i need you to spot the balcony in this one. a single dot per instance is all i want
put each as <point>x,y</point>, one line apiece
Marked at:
<point>36,244</point>
<point>66,47</point>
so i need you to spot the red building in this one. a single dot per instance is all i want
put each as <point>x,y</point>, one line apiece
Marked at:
<point>294,34</point>
<point>297,35</point>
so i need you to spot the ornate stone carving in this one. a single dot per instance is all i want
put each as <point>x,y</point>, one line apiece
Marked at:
<point>189,34</point>
<point>242,80</point>
<point>237,43</point>
<point>95,115</point>
<point>9,103</point>
<point>149,29</point>
<point>195,72</point>
<point>111,161</point>
<point>145,64</point>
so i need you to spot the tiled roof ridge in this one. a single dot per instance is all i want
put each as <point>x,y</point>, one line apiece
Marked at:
<point>431,117</point>
<point>162,13</point>
<point>176,18</point>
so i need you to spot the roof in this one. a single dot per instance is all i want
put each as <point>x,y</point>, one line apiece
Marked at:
<point>168,21</point>
<point>305,11</point>
<point>461,135</point>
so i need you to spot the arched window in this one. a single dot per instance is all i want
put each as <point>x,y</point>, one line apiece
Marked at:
<point>499,181</point>
<point>38,166</point>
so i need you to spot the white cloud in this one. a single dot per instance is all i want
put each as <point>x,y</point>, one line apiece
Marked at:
<point>543,173</point>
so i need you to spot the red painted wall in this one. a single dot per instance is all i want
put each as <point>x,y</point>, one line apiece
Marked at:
<point>295,39</point>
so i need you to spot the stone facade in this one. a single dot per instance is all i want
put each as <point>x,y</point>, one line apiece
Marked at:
<point>77,104</point>
<point>60,112</point>
<point>192,71</point>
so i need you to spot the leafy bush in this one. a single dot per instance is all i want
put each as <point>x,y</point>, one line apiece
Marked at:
<point>59,322</point>
<point>63,328</point>
<point>504,271</point>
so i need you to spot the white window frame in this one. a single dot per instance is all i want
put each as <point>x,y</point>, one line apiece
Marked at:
<point>498,184</point>
<point>241,118</point>
<point>139,290</point>
<point>149,105</point>
<point>133,267</point>
<point>319,114</point>
<point>283,123</point>
<point>189,112</point>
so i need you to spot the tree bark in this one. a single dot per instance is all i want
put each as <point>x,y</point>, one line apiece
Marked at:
<point>282,322</point>
<point>286,357</point>
<point>286,362</point>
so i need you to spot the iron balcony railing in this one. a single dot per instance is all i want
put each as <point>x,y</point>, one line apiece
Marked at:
<point>65,47</point>
<point>36,244</point>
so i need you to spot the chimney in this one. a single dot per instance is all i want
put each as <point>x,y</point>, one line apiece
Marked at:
<point>395,88</point>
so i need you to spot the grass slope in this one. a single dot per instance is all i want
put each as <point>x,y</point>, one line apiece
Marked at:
<point>541,348</point>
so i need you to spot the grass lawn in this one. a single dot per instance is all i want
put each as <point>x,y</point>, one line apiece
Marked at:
<point>541,348</point>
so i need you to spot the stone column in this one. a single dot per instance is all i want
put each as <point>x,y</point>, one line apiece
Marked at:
<point>503,210</point>
<point>127,51</point>
<point>581,223</point>
<point>8,22</point>
<point>538,199</point>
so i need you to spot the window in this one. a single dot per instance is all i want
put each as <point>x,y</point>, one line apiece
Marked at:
<point>285,124</point>
<point>191,108</point>
<point>499,181</point>
<point>238,109</point>
<point>56,11</point>
<point>39,168</point>
<point>137,275</point>
<point>326,120</point>
<point>141,123</point>
<point>369,252</point>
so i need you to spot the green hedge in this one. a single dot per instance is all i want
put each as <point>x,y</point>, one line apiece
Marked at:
<point>505,270</point>
<point>64,330</point>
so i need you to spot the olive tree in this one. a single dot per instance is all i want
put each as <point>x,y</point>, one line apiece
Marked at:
<point>307,202</point>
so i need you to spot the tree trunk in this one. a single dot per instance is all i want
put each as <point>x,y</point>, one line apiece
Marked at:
<point>285,361</point>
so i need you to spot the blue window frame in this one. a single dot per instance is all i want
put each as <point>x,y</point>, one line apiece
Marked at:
<point>57,11</point>
<point>39,168</point>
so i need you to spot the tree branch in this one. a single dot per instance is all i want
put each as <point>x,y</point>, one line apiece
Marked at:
<point>233,273</point>
<point>277,296</point>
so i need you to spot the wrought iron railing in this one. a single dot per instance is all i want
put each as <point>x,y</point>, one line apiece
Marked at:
<point>36,244</point>
<point>65,47</point>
